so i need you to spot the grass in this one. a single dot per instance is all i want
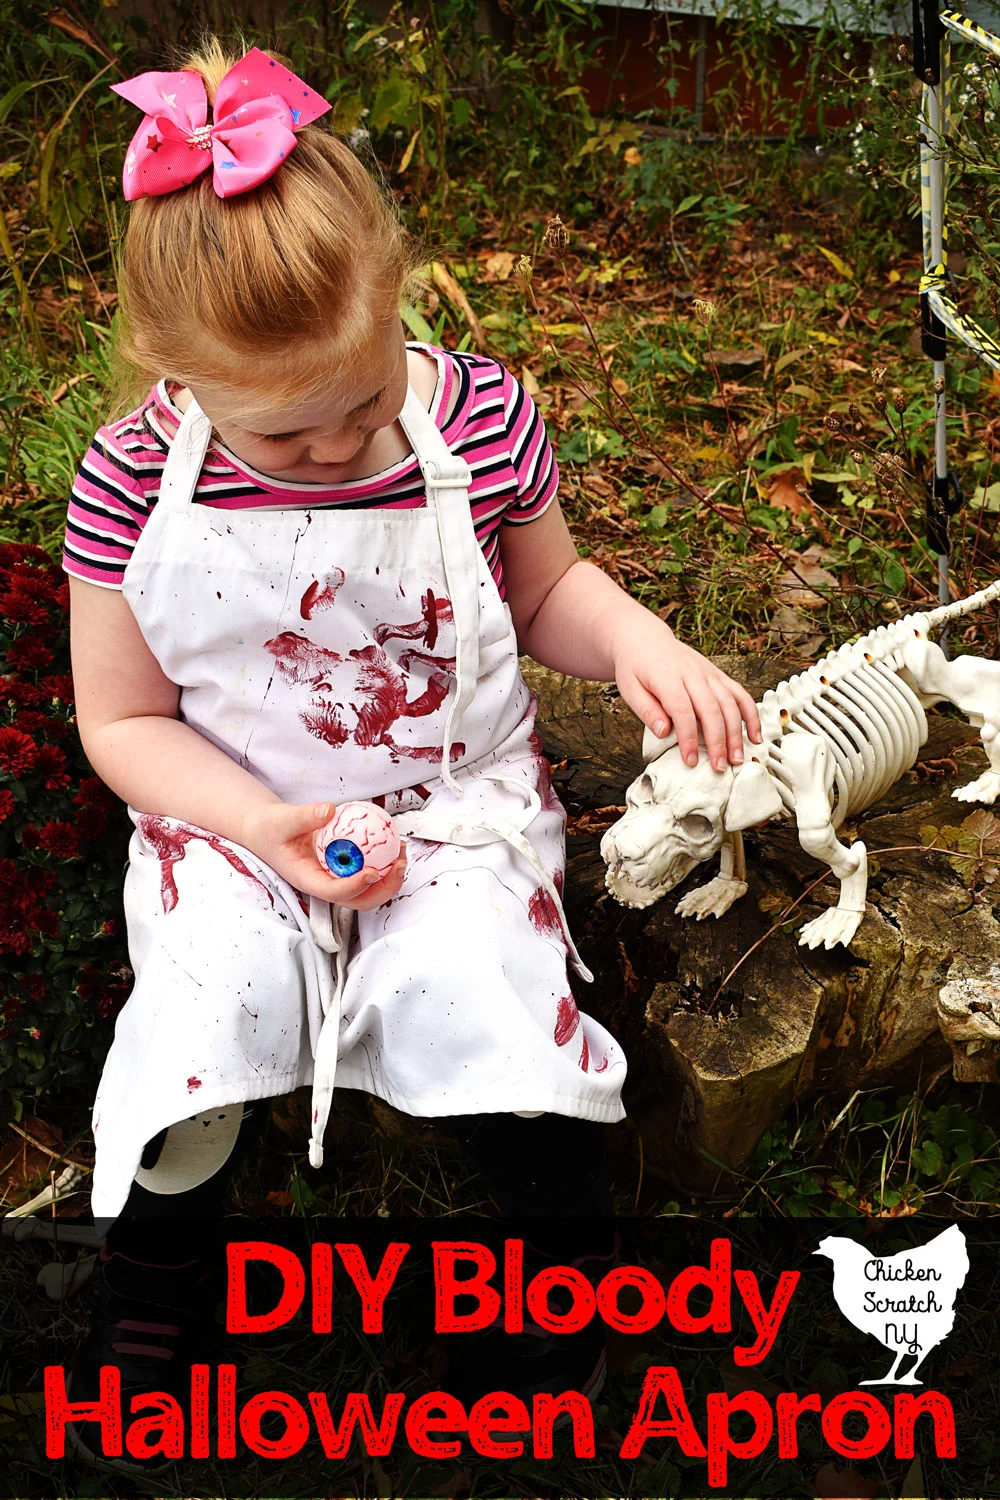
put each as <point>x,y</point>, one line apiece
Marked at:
<point>723,448</point>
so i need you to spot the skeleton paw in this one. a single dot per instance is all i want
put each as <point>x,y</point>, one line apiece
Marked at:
<point>833,927</point>
<point>713,899</point>
<point>985,788</point>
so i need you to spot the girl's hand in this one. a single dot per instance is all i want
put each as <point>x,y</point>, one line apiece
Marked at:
<point>669,684</point>
<point>282,835</point>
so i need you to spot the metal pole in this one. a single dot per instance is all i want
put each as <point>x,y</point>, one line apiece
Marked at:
<point>929,66</point>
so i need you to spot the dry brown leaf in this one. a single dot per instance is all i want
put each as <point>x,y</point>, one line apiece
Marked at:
<point>447,284</point>
<point>798,587</point>
<point>629,977</point>
<point>788,491</point>
<point>500,265</point>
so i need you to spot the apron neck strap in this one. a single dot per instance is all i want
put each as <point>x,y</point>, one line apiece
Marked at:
<point>447,478</point>
<point>187,454</point>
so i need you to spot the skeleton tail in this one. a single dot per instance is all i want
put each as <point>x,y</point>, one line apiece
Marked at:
<point>932,618</point>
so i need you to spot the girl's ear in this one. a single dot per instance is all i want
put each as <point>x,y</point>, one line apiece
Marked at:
<point>652,745</point>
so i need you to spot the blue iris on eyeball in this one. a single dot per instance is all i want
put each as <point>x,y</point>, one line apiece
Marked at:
<point>343,857</point>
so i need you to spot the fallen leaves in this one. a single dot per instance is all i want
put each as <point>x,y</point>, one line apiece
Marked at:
<point>799,586</point>
<point>445,282</point>
<point>972,849</point>
<point>789,491</point>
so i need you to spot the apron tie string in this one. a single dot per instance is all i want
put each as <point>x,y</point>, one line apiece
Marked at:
<point>450,478</point>
<point>331,925</point>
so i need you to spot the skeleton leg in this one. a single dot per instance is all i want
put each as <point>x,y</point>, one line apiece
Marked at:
<point>973,685</point>
<point>715,898</point>
<point>808,768</point>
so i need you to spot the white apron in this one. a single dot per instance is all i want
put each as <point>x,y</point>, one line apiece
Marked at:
<point>337,655</point>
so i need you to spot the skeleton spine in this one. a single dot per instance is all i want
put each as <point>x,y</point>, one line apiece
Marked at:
<point>935,617</point>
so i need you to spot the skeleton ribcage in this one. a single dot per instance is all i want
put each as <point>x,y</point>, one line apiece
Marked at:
<point>874,724</point>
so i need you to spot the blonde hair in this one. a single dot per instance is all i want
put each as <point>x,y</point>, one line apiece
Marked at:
<point>268,292</point>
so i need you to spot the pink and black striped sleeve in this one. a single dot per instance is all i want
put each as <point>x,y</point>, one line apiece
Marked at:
<point>109,504</point>
<point>531,455</point>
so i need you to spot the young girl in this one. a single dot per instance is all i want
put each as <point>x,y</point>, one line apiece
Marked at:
<point>301,572</point>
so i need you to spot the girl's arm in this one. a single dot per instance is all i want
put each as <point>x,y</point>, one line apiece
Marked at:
<point>570,616</point>
<point>127,719</point>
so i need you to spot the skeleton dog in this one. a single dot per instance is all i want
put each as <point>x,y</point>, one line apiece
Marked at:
<point>835,738</point>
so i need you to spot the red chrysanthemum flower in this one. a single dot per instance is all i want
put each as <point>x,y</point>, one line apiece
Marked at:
<point>29,836</point>
<point>58,838</point>
<point>33,584</point>
<point>30,721</point>
<point>7,803</point>
<point>34,722</point>
<point>60,686</point>
<point>113,999</point>
<point>20,609</point>
<point>18,752</point>
<point>110,927</point>
<point>12,554</point>
<point>61,597</point>
<point>16,940</point>
<point>30,655</point>
<point>50,762</point>
<point>33,986</point>
<point>88,981</point>
<point>93,792</point>
<point>13,690</point>
<point>92,822</point>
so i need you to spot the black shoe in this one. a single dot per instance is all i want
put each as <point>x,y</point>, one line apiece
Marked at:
<point>149,1322</point>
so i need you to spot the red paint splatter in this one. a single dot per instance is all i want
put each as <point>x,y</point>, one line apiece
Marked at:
<point>426,659</point>
<point>567,1021</point>
<point>432,610</point>
<point>303,902</point>
<point>543,775</point>
<point>321,595</point>
<point>300,660</point>
<point>325,723</point>
<point>380,680</point>
<point>559,880</point>
<point>602,1065</point>
<point>193,1083</point>
<point>385,686</point>
<point>585,1055</point>
<point>543,913</point>
<point>170,843</point>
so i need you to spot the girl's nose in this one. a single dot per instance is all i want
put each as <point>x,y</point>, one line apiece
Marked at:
<point>338,449</point>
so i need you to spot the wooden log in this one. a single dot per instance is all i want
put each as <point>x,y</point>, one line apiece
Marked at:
<point>727,1021</point>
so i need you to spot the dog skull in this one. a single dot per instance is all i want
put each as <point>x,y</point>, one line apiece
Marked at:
<point>674,822</point>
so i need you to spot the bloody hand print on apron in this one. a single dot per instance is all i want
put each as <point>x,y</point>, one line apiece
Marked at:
<point>338,655</point>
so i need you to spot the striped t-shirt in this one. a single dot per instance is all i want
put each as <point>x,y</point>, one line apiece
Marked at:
<point>495,426</point>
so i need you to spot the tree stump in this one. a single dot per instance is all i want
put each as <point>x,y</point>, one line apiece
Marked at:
<point>727,1021</point>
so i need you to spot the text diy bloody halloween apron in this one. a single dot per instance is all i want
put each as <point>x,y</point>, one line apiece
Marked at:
<point>340,654</point>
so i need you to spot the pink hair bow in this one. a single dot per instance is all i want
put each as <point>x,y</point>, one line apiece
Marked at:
<point>258,107</point>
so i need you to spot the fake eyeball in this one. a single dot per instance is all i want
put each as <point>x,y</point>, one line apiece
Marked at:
<point>358,836</point>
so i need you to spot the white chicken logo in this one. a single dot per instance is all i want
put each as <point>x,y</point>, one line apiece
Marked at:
<point>906,1301</point>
